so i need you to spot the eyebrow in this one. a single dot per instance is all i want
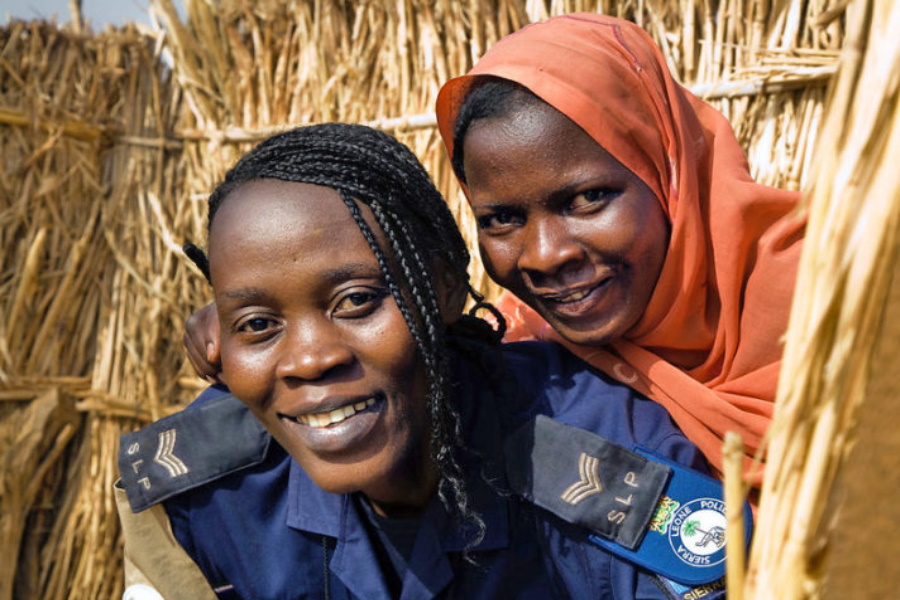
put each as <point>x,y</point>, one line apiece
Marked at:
<point>352,270</point>
<point>340,274</point>
<point>555,195</point>
<point>250,294</point>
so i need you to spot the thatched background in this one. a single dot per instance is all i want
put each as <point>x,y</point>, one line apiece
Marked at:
<point>108,155</point>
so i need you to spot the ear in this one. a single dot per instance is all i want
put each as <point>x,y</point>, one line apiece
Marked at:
<point>451,293</point>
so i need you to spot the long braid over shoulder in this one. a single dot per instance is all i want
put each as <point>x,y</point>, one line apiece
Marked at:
<point>370,168</point>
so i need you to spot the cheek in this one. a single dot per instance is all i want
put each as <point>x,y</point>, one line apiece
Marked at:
<point>403,373</point>
<point>246,373</point>
<point>499,257</point>
<point>399,360</point>
<point>656,259</point>
<point>384,347</point>
<point>656,233</point>
<point>651,247</point>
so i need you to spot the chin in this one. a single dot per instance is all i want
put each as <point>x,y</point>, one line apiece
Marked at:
<point>336,481</point>
<point>586,339</point>
<point>595,335</point>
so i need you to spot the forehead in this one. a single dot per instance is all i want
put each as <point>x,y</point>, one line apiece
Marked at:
<point>533,125</point>
<point>533,148</point>
<point>270,216</point>
<point>275,194</point>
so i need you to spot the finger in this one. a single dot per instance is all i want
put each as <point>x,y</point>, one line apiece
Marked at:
<point>198,361</point>
<point>212,354</point>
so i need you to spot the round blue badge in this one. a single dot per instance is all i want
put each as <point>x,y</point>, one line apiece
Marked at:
<point>697,532</point>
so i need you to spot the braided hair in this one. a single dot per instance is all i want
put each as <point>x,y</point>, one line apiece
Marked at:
<point>368,167</point>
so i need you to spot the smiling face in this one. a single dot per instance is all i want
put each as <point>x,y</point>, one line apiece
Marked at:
<point>563,224</point>
<point>314,344</point>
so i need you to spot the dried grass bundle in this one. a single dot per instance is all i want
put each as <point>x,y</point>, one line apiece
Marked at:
<point>70,200</point>
<point>33,437</point>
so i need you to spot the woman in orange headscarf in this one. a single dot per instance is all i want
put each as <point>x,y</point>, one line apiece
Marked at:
<point>684,296</point>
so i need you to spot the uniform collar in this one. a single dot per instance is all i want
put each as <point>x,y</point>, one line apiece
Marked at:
<point>316,511</point>
<point>429,572</point>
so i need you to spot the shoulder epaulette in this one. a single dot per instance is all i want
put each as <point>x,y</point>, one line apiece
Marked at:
<point>188,449</point>
<point>645,508</point>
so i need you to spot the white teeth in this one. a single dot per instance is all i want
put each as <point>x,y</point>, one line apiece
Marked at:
<point>335,416</point>
<point>574,297</point>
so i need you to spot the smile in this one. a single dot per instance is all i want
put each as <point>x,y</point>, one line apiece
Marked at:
<point>326,419</point>
<point>572,296</point>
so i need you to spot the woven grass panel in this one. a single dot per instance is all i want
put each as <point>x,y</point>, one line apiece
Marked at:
<point>111,143</point>
<point>88,296</point>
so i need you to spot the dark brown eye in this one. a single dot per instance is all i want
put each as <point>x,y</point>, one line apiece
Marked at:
<point>254,325</point>
<point>592,197</point>
<point>359,303</point>
<point>499,220</point>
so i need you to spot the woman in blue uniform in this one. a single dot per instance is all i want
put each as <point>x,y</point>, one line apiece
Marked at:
<point>402,452</point>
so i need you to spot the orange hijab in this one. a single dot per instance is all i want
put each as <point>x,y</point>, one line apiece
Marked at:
<point>708,347</point>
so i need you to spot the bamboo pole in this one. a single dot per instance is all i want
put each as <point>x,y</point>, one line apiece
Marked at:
<point>735,498</point>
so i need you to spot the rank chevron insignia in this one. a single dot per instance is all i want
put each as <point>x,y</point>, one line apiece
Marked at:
<point>165,454</point>
<point>588,485</point>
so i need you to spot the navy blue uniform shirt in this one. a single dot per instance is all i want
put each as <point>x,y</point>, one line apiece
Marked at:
<point>268,532</point>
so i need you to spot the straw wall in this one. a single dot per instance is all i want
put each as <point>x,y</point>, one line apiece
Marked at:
<point>90,302</point>
<point>108,157</point>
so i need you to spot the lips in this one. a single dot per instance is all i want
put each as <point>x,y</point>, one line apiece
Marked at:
<point>337,415</point>
<point>574,294</point>
<point>344,428</point>
<point>569,296</point>
<point>577,303</point>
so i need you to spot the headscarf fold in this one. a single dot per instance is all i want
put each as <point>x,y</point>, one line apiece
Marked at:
<point>708,346</point>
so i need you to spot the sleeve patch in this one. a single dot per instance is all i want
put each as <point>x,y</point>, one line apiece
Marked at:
<point>585,479</point>
<point>638,505</point>
<point>188,449</point>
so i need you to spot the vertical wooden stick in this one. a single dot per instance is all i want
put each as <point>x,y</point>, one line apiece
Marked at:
<point>735,496</point>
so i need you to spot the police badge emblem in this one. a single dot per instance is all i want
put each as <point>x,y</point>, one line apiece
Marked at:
<point>697,532</point>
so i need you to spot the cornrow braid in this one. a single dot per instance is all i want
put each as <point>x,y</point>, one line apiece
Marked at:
<point>369,167</point>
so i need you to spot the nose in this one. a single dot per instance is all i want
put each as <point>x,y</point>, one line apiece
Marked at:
<point>313,352</point>
<point>548,247</point>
